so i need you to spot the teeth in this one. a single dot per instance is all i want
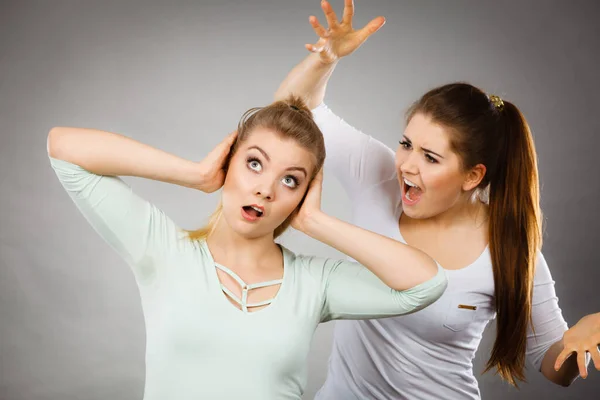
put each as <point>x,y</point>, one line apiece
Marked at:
<point>258,210</point>
<point>409,183</point>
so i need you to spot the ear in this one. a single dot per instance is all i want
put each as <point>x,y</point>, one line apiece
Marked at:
<point>474,177</point>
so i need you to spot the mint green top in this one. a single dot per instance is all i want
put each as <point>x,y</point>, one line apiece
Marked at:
<point>198,344</point>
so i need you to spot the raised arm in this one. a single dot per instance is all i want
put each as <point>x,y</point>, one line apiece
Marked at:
<point>86,162</point>
<point>106,153</point>
<point>397,265</point>
<point>357,160</point>
<point>309,78</point>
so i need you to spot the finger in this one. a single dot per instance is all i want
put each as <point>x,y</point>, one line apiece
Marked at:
<point>581,364</point>
<point>595,352</point>
<point>329,14</point>
<point>318,179</point>
<point>222,149</point>
<point>315,189</point>
<point>348,12</point>
<point>232,136</point>
<point>314,48</point>
<point>317,27</point>
<point>225,145</point>
<point>561,358</point>
<point>371,28</point>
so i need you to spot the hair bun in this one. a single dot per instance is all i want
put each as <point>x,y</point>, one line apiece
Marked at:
<point>297,104</point>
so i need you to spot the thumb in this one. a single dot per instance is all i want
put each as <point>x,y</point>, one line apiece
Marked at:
<point>314,48</point>
<point>371,28</point>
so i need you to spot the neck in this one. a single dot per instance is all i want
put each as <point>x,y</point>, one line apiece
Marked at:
<point>229,248</point>
<point>464,212</point>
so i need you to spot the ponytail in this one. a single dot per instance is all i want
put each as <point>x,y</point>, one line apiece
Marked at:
<point>515,236</point>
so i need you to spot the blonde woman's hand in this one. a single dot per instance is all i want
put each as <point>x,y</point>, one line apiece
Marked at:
<point>311,207</point>
<point>340,39</point>
<point>211,170</point>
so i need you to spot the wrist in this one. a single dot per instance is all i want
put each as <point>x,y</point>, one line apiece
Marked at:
<point>311,223</point>
<point>323,61</point>
<point>194,176</point>
<point>327,63</point>
<point>315,225</point>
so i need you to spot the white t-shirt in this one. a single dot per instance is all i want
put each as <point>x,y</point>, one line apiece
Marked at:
<point>428,354</point>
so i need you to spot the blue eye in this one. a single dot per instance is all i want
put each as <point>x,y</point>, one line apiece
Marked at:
<point>290,181</point>
<point>254,164</point>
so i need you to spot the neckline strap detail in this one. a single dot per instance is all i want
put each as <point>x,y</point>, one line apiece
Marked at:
<point>243,302</point>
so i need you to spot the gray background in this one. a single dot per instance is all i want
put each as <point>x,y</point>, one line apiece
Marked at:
<point>178,75</point>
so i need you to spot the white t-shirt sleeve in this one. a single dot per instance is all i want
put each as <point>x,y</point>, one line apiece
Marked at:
<point>357,160</point>
<point>548,322</point>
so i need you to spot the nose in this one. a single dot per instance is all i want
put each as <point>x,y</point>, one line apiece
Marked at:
<point>409,164</point>
<point>265,190</point>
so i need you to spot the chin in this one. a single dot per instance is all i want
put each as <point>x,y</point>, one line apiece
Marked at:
<point>416,212</point>
<point>250,230</point>
<point>412,213</point>
<point>247,231</point>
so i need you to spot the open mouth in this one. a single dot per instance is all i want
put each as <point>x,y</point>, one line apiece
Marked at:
<point>253,212</point>
<point>412,192</point>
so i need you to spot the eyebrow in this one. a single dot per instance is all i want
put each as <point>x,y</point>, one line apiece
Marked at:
<point>265,155</point>
<point>424,149</point>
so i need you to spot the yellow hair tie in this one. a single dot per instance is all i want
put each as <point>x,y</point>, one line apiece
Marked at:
<point>497,102</point>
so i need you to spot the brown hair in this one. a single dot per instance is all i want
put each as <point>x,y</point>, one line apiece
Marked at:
<point>494,133</point>
<point>292,119</point>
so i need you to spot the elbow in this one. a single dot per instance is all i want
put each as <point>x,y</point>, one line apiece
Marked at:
<point>434,269</point>
<point>433,272</point>
<point>428,292</point>
<point>51,141</point>
<point>54,142</point>
<point>428,271</point>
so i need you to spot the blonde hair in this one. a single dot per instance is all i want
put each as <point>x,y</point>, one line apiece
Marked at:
<point>291,119</point>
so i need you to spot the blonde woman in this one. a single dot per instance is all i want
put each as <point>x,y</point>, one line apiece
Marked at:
<point>230,313</point>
